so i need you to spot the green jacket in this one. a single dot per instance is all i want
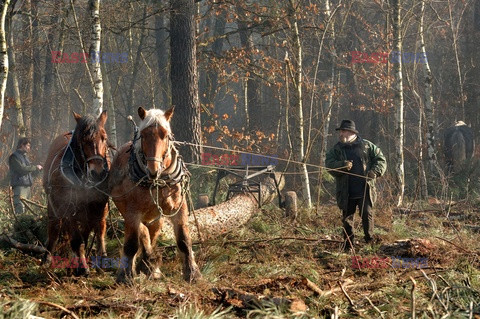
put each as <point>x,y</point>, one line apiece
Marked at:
<point>373,160</point>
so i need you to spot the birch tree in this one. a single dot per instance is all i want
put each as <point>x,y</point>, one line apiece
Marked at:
<point>297,79</point>
<point>14,76</point>
<point>398,104</point>
<point>251,105</point>
<point>428,100</point>
<point>97,106</point>
<point>3,56</point>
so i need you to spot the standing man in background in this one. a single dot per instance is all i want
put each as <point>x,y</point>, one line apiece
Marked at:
<point>21,173</point>
<point>355,164</point>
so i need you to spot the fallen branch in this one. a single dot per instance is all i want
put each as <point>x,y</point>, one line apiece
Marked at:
<point>345,293</point>
<point>322,293</point>
<point>465,250</point>
<point>244,299</point>
<point>51,304</point>
<point>23,247</point>
<point>32,202</point>
<point>282,238</point>
<point>374,307</point>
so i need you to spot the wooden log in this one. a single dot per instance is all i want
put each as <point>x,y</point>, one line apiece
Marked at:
<point>229,215</point>
<point>291,204</point>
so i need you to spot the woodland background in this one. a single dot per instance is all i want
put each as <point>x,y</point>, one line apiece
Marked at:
<point>274,77</point>
<point>266,77</point>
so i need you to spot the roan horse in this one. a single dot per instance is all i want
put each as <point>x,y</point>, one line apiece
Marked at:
<point>147,183</point>
<point>459,146</point>
<point>75,181</point>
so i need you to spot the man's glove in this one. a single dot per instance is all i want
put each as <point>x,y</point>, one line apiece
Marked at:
<point>348,165</point>
<point>371,175</point>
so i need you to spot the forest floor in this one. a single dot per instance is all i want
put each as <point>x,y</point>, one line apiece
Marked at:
<point>274,267</point>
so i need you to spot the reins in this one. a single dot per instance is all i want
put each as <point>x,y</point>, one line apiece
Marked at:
<point>161,181</point>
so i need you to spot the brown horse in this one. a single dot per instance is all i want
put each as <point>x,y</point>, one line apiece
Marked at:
<point>147,183</point>
<point>75,181</point>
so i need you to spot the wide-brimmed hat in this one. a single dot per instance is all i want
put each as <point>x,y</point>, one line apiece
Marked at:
<point>347,125</point>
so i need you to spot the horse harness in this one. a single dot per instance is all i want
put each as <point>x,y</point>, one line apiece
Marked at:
<point>71,169</point>
<point>176,173</point>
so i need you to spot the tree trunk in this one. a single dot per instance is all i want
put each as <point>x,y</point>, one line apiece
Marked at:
<point>210,80</point>
<point>136,67</point>
<point>455,40</point>
<point>161,37</point>
<point>299,145</point>
<point>433,166</point>
<point>27,107</point>
<point>35,113</point>
<point>49,108</point>
<point>183,74</point>
<point>398,104</point>
<point>97,106</point>
<point>3,57</point>
<point>252,105</point>
<point>326,111</point>
<point>229,215</point>
<point>112,123</point>
<point>16,89</point>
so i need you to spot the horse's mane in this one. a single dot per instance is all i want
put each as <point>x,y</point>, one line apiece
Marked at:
<point>155,116</point>
<point>87,126</point>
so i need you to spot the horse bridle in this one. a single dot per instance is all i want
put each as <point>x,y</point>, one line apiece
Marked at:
<point>158,159</point>
<point>92,158</point>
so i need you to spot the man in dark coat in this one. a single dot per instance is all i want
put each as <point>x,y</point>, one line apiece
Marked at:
<point>21,173</point>
<point>355,163</point>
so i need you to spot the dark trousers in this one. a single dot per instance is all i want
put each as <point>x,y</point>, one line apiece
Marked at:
<point>365,208</point>
<point>20,191</point>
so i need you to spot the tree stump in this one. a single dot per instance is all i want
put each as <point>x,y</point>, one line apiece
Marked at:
<point>202,201</point>
<point>291,204</point>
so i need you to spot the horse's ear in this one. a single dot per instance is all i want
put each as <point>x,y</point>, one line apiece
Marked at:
<point>76,116</point>
<point>102,119</point>
<point>142,113</point>
<point>169,113</point>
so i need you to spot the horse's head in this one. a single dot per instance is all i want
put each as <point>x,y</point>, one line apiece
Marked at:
<point>156,135</point>
<point>92,142</point>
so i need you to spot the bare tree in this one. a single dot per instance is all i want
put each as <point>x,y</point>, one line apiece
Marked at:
<point>97,106</point>
<point>398,104</point>
<point>14,75</point>
<point>428,100</point>
<point>3,57</point>
<point>297,79</point>
<point>183,75</point>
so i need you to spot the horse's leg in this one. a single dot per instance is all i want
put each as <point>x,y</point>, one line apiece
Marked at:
<point>78,244</point>
<point>149,264</point>
<point>100,230</point>
<point>184,244</point>
<point>53,231</point>
<point>130,247</point>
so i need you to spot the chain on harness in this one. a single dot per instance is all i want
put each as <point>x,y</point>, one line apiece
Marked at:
<point>138,174</point>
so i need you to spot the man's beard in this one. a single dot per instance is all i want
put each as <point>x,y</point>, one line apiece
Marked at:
<point>349,139</point>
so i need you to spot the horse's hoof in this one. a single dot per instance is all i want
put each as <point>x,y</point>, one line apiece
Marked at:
<point>124,280</point>
<point>80,271</point>
<point>123,277</point>
<point>46,260</point>
<point>193,275</point>
<point>156,274</point>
